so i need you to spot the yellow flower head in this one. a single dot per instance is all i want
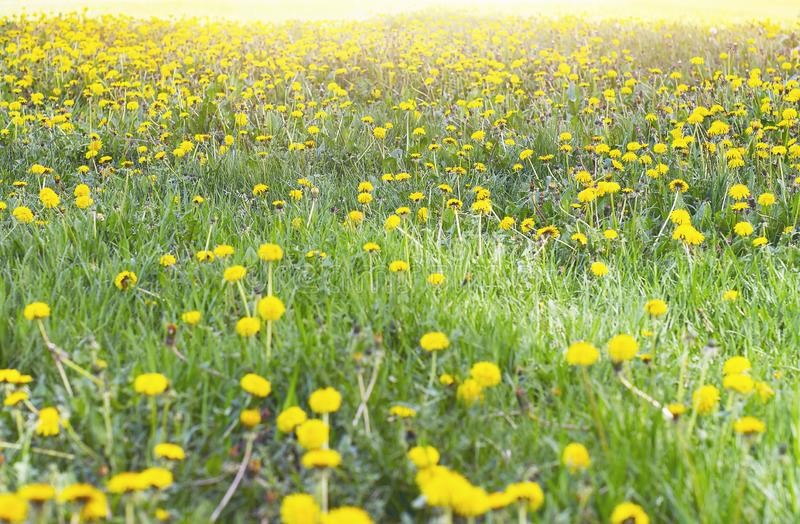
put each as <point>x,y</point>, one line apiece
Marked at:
<point>656,307</point>
<point>487,374</point>
<point>576,457</point>
<point>125,280</point>
<point>325,400</point>
<point>321,458</point>
<point>434,341</point>
<point>749,426</point>
<point>13,508</point>
<point>38,493</point>
<point>705,399</point>
<point>271,308</point>
<point>234,273</point>
<point>270,252</point>
<point>299,508</point>
<point>629,513</point>
<point>290,418</point>
<point>622,347</point>
<point>169,451</point>
<point>248,326</point>
<point>346,515</point>
<point>529,492</point>
<point>312,434</point>
<point>423,456</point>
<point>49,421</point>
<point>256,385</point>
<point>581,353</point>
<point>150,384</point>
<point>36,311</point>
<point>250,418</point>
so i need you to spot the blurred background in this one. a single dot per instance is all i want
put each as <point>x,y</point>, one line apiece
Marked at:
<point>280,10</point>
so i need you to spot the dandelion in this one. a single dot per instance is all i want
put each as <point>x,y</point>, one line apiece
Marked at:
<point>250,418</point>
<point>23,214</point>
<point>436,279</point>
<point>581,354</point>
<point>312,434</point>
<point>743,229</point>
<point>150,384</point>
<point>125,280</point>
<point>324,401</point>
<point>169,451</point>
<point>469,391</point>
<point>36,311</point>
<point>739,382</point>
<point>48,423</point>
<point>192,317</point>
<point>290,418</point>
<point>167,260</point>
<point>730,295</point>
<point>705,399</point>
<point>599,269</point>
<point>299,508</point>
<point>402,412</point>
<point>234,273</point>
<point>248,326</point>
<point>736,365</point>
<point>321,458</point>
<point>629,513</point>
<point>486,374</point>
<point>766,199</point>
<point>656,307</point>
<point>256,385</point>
<point>49,198</point>
<point>575,457</point>
<point>398,266</point>
<point>346,515</point>
<point>13,508</point>
<point>36,493</point>
<point>749,426</point>
<point>223,251</point>
<point>622,348</point>
<point>423,456</point>
<point>739,192</point>
<point>678,186</point>
<point>528,493</point>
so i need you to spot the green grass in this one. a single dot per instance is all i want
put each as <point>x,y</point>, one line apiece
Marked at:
<point>518,305</point>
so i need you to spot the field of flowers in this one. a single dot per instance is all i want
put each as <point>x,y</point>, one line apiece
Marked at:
<point>399,270</point>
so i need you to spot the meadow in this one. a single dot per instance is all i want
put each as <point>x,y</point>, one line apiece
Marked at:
<point>409,269</point>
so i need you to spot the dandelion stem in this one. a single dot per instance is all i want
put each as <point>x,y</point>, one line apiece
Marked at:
<point>595,412</point>
<point>269,341</point>
<point>644,396</point>
<point>129,517</point>
<point>56,358</point>
<point>269,278</point>
<point>666,221</point>
<point>480,236</point>
<point>433,371</point>
<point>153,419</point>
<point>323,491</point>
<point>244,297</point>
<point>248,451</point>
<point>311,212</point>
<point>371,277</point>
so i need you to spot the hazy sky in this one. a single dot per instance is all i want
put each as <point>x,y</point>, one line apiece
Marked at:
<point>329,9</point>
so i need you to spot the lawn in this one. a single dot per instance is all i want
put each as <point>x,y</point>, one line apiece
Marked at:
<point>409,269</point>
